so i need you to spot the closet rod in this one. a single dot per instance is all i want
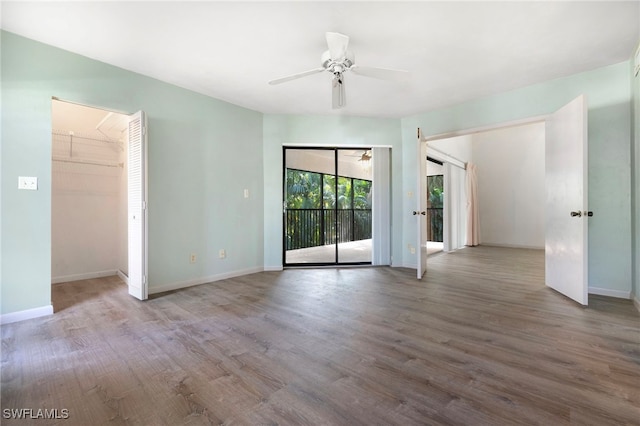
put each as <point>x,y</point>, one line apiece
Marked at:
<point>85,137</point>
<point>89,162</point>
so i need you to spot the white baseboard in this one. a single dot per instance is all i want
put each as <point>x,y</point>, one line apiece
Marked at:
<point>86,276</point>
<point>517,246</point>
<point>273,268</point>
<point>123,277</point>
<point>204,280</point>
<point>26,314</point>
<point>621,294</point>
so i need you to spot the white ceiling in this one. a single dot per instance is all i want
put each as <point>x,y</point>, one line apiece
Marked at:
<point>455,51</point>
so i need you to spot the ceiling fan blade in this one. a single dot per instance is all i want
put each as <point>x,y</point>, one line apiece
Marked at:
<point>338,99</point>
<point>296,76</point>
<point>338,44</point>
<point>381,73</point>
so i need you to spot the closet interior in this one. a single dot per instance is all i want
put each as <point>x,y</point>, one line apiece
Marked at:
<point>89,193</point>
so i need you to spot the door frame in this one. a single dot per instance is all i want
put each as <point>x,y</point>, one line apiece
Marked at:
<point>335,149</point>
<point>120,274</point>
<point>512,123</point>
<point>516,123</point>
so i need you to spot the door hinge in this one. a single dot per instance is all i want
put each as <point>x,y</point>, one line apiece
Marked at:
<point>144,205</point>
<point>144,279</point>
<point>144,130</point>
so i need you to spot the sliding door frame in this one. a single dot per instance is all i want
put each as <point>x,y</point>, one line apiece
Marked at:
<point>335,209</point>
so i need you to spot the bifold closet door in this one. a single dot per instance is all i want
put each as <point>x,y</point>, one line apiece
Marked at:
<point>137,205</point>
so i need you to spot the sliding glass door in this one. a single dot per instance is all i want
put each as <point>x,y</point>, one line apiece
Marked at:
<point>327,206</point>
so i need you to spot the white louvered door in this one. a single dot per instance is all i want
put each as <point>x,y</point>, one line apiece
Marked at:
<point>137,209</point>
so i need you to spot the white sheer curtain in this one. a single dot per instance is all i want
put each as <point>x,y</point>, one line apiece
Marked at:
<point>381,206</point>
<point>473,210</point>
<point>454,212</point>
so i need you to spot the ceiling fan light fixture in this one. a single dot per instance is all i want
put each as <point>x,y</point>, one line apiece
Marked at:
<point>329,63</point>
<point>338,60</point>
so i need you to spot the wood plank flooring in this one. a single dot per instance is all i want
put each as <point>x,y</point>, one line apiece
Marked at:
<point>481,341</point>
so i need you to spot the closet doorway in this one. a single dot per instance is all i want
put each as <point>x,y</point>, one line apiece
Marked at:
<point>94,229</point>
<point>327,206</point>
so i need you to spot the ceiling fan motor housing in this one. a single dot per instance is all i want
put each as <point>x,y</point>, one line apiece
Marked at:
<point>339,65</point>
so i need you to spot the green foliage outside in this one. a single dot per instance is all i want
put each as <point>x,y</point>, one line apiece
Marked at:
<point>303,191</point>
<point>436,191</point>
<point>435,200</point>
<point>318,214</point>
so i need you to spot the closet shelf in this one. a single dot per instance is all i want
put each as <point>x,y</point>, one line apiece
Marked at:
<point>89,162</point>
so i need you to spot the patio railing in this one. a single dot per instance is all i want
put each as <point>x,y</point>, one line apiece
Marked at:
<point>318,227</point>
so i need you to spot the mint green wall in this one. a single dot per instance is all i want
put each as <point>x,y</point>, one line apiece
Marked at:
<point>281,130</point>
<point>202,154</point>
<point>609,100</point>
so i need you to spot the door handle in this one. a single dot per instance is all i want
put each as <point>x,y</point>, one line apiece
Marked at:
<point>423,213</point>
<point>579,213</point>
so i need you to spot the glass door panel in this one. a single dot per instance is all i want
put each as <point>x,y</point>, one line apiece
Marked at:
<point>307,221</point>
<point>354,206</point>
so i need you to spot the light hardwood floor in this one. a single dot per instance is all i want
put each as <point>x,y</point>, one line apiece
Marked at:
<point>480,342</point>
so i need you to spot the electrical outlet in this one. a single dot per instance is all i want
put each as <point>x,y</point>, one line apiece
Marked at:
<point>246,193</point>
<point>222,254</point>
<point>192,258</point>
<point>412,250</point>
<point>28,182</point>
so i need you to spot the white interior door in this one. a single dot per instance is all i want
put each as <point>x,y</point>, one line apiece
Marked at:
<point>137,205</point>
<point>566,246</point>
<point>421,208</point>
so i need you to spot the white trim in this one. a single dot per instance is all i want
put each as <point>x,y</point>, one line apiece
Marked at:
<point>204,280</point>
<point>514,123</point>
<point>621,294</point>
<point>85,276</point>
<point>123,277</point>
<point>273,268</point>
<point>444,157</point>
<point>332,145</point>
<point>516,246</point>
<point>26,314</point>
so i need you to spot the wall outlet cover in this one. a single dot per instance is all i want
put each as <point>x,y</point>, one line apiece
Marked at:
<point>28,182</point>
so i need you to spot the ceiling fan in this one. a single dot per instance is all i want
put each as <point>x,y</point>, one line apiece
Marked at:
<point>338,60</point>
<point>365,156</point>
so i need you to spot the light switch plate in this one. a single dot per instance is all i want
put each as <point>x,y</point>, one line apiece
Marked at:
<point>28,182</point>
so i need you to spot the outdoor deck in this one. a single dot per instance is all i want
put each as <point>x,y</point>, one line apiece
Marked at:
<point>349,252</point>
